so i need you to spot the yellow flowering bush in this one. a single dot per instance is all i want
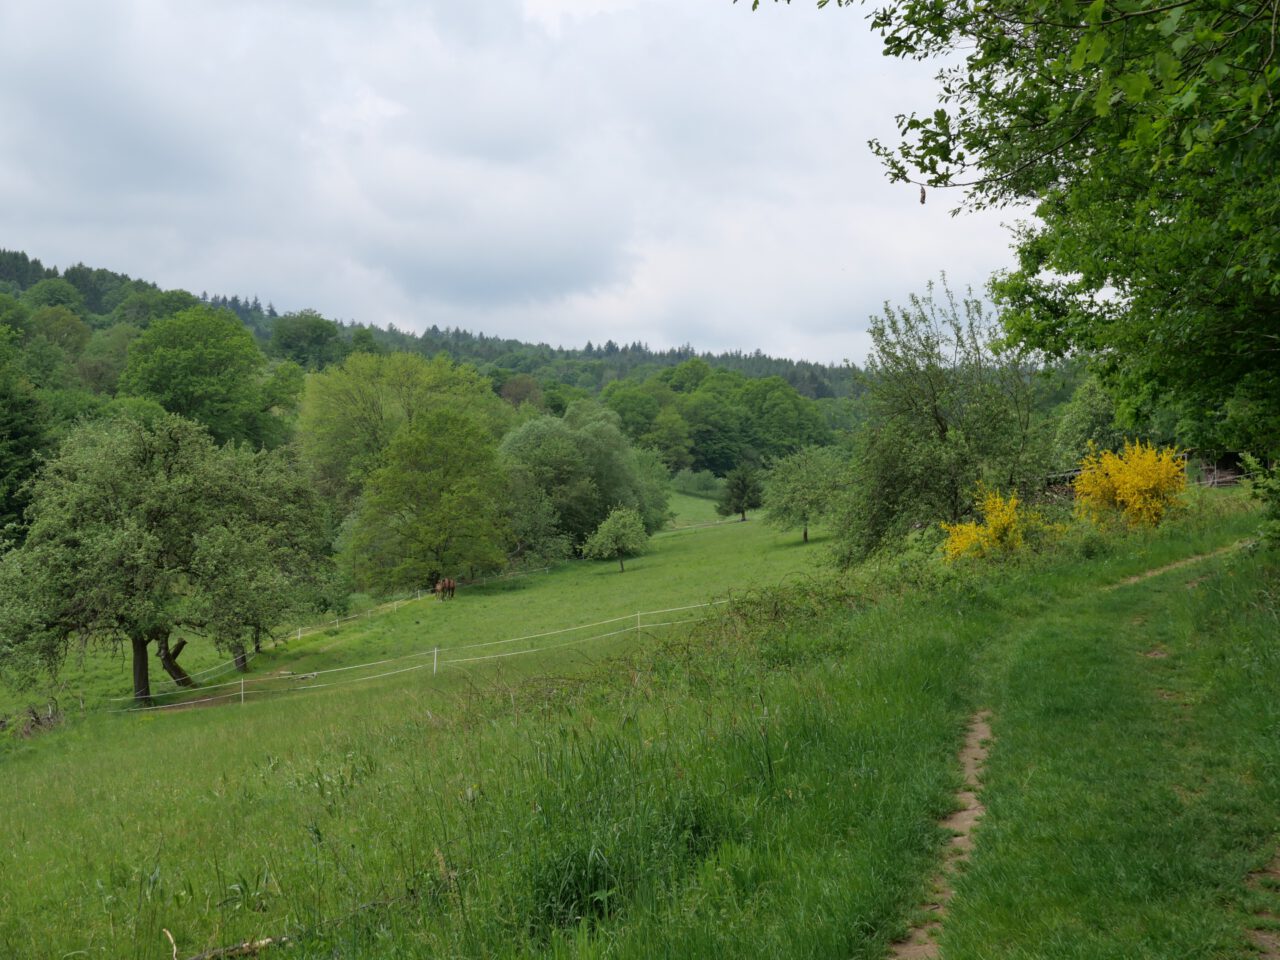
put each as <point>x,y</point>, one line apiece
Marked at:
<point>1141,484</point>
<point>1002,530</point>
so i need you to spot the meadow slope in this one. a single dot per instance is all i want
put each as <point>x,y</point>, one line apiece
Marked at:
<point>766,783</point>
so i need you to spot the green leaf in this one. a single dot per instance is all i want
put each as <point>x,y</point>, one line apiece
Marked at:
<point>1135,86</point>
<point>1102,101</point>
<point>1097,47</point>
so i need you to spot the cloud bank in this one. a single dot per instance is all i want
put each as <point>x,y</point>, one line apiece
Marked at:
<point>667,171</point>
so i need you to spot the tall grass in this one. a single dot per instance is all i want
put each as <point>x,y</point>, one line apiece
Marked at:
<point>765,784</point>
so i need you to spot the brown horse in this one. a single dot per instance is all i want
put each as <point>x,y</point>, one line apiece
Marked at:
<point>445,588</point>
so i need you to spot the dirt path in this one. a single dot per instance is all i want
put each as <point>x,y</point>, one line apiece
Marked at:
<point>1148,574</point>
<point>1266,932</point>
<point>921,943</point>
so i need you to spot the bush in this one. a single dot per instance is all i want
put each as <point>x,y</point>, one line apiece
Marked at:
<point>697,483</point>
<point>1141,484</point>
<point>1264,486</point>
<point>1001,531</point>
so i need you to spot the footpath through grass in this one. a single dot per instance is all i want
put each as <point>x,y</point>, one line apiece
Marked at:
<point>765,785</point>
<point>1135,779</point>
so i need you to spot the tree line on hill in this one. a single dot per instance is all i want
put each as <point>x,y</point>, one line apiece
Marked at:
<point>174,466</point>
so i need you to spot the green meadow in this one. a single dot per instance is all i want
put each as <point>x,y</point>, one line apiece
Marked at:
<point>766,782</point>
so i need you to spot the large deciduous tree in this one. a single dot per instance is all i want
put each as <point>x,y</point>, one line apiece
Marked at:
<point>203,364</point>
<point>585,467</point>
<point>434,508</point>
<point>1146,135</point>
<point>351,412</point>
<point>139,533</point>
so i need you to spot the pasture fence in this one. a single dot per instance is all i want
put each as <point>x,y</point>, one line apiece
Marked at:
<point>435,658</point>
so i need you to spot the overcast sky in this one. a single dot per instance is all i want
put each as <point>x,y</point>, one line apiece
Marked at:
<point>668,171</point>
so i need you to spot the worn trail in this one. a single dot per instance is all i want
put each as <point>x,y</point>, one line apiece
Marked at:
<point>921,943</point>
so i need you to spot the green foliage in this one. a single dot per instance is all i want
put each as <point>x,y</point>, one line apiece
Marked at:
<point>1264,487</point>
<point>54,292</point>
<point>104,357</point>
<point>137,531</point>
<point>742,491</point>
<point>945,409</point>
<point>621,534</point>
<point>801,489</point>
<point>1146,137</point>
<point>1088,419</point>
<point>351,412</point>
<point>204,365</point>
<point>22,419</point>
<point>698,483</point>
<point>308,339</point>
<point>434,506</point>
<point>584,466</point>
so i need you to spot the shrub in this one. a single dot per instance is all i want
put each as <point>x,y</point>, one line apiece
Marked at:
<point>1264,486</point>
<point>697,483</point>
<point>1141,484</point>
<point>1002,530</point>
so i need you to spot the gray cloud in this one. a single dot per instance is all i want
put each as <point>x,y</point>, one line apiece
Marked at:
<point>661,170</point>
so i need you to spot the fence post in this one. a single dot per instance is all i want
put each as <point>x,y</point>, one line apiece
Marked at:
<point>242,691</point>
<point>435,661</point>
<point>637,622</point>
<point>299,633</point>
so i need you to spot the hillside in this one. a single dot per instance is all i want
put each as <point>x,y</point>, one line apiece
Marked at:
<point>767,782</point>
<point>110,297</point>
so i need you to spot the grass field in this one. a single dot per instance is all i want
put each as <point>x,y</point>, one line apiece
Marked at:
<point>683,567</point>
<point>766,784</point>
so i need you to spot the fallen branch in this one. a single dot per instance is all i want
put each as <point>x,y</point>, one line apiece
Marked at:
<point>249,948</point>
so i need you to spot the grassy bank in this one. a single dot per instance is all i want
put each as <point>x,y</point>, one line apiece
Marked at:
<point>767,784</point>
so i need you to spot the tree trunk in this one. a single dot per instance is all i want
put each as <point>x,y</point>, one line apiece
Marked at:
<point>621,568</point>
<point>806,533</point>
<point>242,661</point>
<point>169,660</point>
<point>257,639</point>
<point>141,674</point>
<point>744,516</point>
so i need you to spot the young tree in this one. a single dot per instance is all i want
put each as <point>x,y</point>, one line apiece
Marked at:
<point>801,488</point>
<point>943,410</point>
<point>126,526</point>
<point>742,492</point>
<point>621,534</point>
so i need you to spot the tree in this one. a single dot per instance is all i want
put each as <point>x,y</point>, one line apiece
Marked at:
<point>433,508</point>
<point>742,492</point>
<point>800,489</point>
<point>944,409</point>
<point>54,292</point>
<point>308,339</point>
<point>203,364</point>
<point>22,435</point>
<point>351,412</point>
<point>584,464</point>
<point>138,532</point>
<point>1145,136</point>
<point>621,534</point>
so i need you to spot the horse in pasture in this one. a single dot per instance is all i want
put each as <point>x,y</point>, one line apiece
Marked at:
<point>445,588</point>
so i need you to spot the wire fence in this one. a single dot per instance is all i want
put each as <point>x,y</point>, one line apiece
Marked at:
<point>169,686</point>
<point>435,659</point>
